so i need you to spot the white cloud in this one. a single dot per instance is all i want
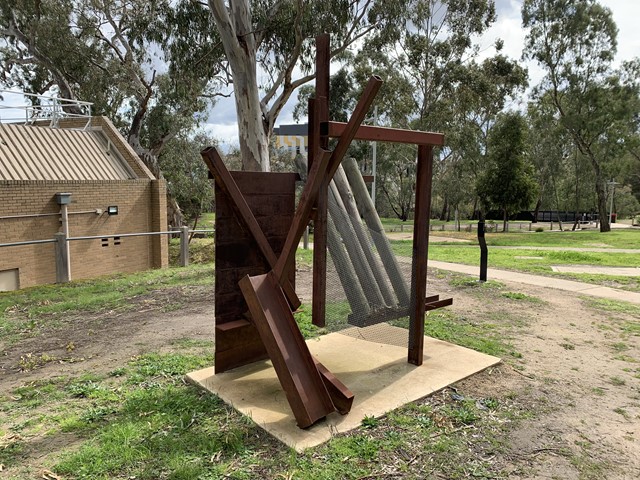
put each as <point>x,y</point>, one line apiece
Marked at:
<point>509,28</point>
<point>626,14</point>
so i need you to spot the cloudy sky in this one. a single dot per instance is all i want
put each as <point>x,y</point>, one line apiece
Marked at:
<point>222,121</point>
<point>222,118</point>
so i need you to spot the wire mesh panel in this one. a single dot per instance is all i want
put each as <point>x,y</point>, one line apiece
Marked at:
<point>368,281</point>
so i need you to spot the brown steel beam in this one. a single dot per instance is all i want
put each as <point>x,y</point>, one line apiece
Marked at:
<point>341,396</point>
<point>324,167</point>
<point>384,134</point>
<point>292,361</point>
<point>320,115</point>
<point>438,304</point>
<point>420,250</point>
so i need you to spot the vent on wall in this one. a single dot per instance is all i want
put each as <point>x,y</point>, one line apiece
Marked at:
<point>9,280</point>
<point>105,242</point>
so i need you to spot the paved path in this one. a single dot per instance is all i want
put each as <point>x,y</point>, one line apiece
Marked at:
<point>559,249</point>
<point>540,281</point>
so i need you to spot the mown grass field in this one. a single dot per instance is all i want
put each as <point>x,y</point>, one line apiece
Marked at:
<point>140,420</point>
<point>529,259</point>
<point>617,238</point>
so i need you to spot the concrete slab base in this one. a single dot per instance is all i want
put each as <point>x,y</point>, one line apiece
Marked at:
<point>377,374</point>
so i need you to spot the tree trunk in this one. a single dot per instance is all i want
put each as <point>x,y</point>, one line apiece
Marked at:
<point>445,208</point>
<point>238,40</point>
<point>254,142</point>
<point>601,193</point>
<point>505,219</point>
<point>536,211</point>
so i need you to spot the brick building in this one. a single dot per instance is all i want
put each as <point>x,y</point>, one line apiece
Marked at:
<point>100,170</point>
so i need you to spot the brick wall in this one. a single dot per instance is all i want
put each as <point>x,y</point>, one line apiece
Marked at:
<point>141,208</point>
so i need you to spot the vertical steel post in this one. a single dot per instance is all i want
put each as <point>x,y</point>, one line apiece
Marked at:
<point>420,250</point>
<point>483,251</point>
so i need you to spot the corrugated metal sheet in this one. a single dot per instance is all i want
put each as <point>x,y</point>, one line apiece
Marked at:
<point>40,153</point>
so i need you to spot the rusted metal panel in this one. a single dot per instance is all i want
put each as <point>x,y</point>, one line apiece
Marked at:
<point>226,183</point>
<point>292,361</point>
<point>40,153</point>
<point>237,343</point>
<point>272,228</point>
<point>238,255</point>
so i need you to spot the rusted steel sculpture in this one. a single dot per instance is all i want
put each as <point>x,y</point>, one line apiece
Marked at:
<point>257,233</point>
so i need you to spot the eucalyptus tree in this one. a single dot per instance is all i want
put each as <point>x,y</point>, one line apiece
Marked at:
<point>434,81</point>
<point>508,182</point>
<point>120,55</point>
<point>186,174</point>
<point>480,92</point>
<point>274,38</point>
<point>549,150</point>
<point>575,42</point>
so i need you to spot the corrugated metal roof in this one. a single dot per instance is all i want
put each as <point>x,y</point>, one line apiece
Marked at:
<point>40,153</point>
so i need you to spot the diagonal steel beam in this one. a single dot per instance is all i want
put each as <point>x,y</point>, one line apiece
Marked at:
<point>225,181</point>
<point>324,167</point>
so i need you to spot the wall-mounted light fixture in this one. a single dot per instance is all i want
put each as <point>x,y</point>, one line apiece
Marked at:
<point>63,198</point>
<point>112,210</point>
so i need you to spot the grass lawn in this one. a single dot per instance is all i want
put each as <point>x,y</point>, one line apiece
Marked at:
<point>540,261</point>
<point>141,420</point>
<point>22,312</point>
<point>619,238</point>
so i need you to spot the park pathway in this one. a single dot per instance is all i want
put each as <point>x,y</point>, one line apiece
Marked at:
<point>541,281</point>
<point>537,247</point>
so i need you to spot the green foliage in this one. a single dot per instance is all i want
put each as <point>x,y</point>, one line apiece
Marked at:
<point>370,422</point>
<point>186,174</point>
<point>575,42</point>
<point>303,318</point>
<point>65,34</point>
<point>508,183</point>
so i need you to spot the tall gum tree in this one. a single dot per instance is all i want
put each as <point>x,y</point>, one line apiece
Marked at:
<point>434,81</point>
<point>274,38</point>
<point>117,55</point>
<point>575,42</point>
<point>508,181</point>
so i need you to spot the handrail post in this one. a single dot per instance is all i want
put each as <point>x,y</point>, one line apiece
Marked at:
<point>184,246</point>
<point>63,275</point>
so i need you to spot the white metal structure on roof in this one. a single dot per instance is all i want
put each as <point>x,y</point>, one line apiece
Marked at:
<point>41,108</point>
<point>40,153</point>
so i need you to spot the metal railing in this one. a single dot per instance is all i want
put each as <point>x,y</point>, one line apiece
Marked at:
<point>42,108</point>
<point>62,254</point>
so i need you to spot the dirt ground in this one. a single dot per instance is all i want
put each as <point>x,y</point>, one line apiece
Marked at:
<point>578,370</point>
